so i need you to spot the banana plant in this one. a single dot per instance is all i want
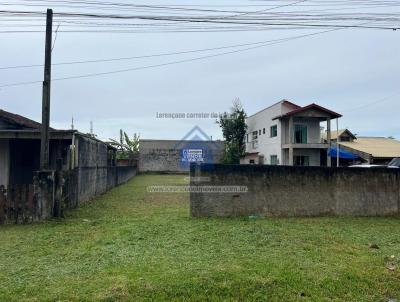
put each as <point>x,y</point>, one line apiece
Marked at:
<point>128,148</point>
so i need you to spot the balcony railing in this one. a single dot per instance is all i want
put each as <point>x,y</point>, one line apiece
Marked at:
<point>252,145</point>
<point>306,146</point>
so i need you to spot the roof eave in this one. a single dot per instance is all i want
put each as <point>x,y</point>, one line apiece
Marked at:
<point>333,115</point>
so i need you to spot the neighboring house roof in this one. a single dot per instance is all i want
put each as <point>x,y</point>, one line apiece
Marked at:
<point>19,120</point>
<point>334,134</point>
<point>285,102</point>
<point>54,134</point>
<point>31,129</point>
<point>378,147</point>
<point>314,106</point>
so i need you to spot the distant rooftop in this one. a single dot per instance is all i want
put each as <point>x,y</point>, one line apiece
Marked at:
<point>335,134</point>
<point>379,147</point>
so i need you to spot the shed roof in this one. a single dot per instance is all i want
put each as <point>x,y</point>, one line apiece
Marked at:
<point>54,134</point>
<point>378,147</point>
<point>31,129</point>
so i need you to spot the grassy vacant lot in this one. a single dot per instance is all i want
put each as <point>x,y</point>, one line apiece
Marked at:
<point>130,245</point>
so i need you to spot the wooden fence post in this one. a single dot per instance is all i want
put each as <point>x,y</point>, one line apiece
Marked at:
<point>18,204</point>
<point>30,197</point>
<point>3,204</point>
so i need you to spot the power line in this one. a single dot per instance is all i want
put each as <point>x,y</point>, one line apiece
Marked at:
<point>186,19</point>
<point>55,38</point>
<point>265,10</point>
<point>241,21</point>
<point>168,63</point>
<point>372,103</point>
<point>180,6</point>
<point>146,56</point>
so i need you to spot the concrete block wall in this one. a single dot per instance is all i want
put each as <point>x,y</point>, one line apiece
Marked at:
<point>81,185</point>
<point>165,155</point>
<point>125,173</point>
<point>92,181</point>
<point>296,191</point>
<point>92,166</point>
<point>160,160</point>
<point>93,176</point>
<point>119,175</point>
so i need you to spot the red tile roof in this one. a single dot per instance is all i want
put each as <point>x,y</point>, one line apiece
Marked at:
<point>20,120</point>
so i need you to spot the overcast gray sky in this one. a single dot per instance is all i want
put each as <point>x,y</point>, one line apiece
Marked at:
<point>347,70</point>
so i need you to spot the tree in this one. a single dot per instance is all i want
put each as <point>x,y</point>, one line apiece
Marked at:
<point>127,148</point>
<point>234,128</point>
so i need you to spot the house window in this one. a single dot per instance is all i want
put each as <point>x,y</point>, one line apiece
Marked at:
<point>259,132</point>
<point>254,135</point>
<point>274,160</point>
<point>301,160</point>
<point>251,161</point>
<point>263,130</point>
<point>300,134</point>
<point>247,138</point>
<point>274,131</point>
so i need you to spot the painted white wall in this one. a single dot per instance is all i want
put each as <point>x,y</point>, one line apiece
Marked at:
<point>267,145</point>
<point>261,120</point>
<point>4,163</point>
<point>313,130</point>
<point>313,154</point>
<point>246,160</point>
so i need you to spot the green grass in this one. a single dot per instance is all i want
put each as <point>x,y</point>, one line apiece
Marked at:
<point>130,245</point>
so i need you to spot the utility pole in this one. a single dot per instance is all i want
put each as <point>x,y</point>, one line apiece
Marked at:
<point>337,143</point>
<point>44,145</point>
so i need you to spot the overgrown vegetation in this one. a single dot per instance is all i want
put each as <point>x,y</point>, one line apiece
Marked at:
<point>131,245</point>
<point>127,148</point>
<point>233,125</point>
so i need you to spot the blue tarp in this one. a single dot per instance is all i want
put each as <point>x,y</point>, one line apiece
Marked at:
<point>332,152</point>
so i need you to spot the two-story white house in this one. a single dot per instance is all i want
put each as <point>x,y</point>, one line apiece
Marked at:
<point>288,134</point>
